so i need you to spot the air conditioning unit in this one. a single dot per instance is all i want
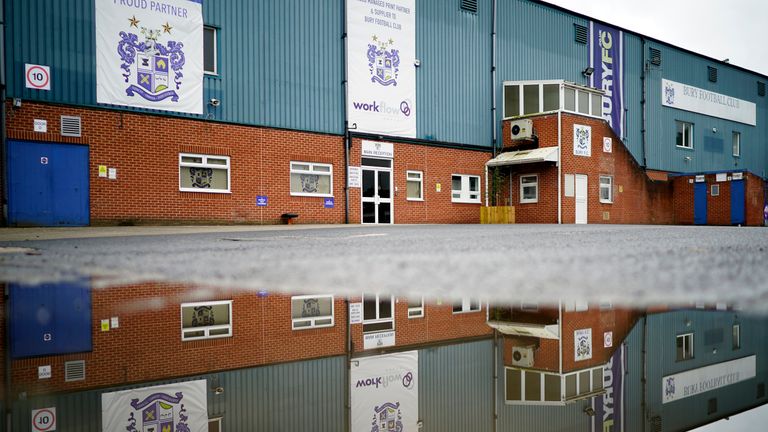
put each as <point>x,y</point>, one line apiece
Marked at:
<point>521,129</point>
<point>522,356</point>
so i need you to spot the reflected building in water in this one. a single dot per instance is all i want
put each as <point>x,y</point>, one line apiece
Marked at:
<point>154,356</point>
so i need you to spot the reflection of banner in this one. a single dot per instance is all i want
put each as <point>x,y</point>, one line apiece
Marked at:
<point>606,56</point>
<point>609,407</point>
<point>385,393</point>
<point>173,407</point>
<point>149,54</point>
<point>696,381</point>
<point>381,78</point>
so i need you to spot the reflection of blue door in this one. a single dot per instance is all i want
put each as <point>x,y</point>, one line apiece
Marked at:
<point>738,202</point>
<point>700,203</point>
<point>47,184</point>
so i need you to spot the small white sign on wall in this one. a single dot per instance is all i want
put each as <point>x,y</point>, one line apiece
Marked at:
<point>607,144</point>
<point>44,372</point>
<point>569,185</point>
<point>582,140</point>
<point>721,177</point>
<point>582,344</point>
<point>44,419</point>
<point>354,177</point>
<point>378,340</point>
<point>607,339</point>
<point>37,77</point>
<point>41,125</point>
<point>355,313</point>
<point>378,149</point>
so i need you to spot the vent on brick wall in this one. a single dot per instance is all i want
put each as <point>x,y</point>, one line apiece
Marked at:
<point>469,5</point>
<point>74,370</point>
<point>580,34</point>
<point>655,56</point>
<point>71,126</point>
<point>761,390</point>
<point>760,88</point>
<point>712,73</point>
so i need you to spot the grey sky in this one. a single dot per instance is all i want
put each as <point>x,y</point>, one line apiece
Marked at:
<point>732,29</point>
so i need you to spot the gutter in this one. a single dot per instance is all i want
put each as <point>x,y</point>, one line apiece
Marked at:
<point>560,162</point>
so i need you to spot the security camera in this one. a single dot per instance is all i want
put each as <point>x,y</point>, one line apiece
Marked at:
<point>214,102</point>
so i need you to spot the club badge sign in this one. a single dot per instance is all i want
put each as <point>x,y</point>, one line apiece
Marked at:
<point>385,393</point>
<point>149,54</point>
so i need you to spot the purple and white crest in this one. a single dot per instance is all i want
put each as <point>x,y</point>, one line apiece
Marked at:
<point>383,62</point>
<point>387,418</point>
<point>151,68</point>
<point>669,389</point>
<point>669,94</point>
<point>158,413</point>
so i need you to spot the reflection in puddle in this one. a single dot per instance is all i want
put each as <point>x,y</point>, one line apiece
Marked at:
<point>162,356</point>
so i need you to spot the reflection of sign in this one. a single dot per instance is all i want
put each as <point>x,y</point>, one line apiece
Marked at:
<point>378,340</point>
<point>378,149</point>
<point>582,140</point>
<point>696,381</point>
<point>328,202</point>
<point>385,393</point>
<point>694,99</point>
<point>355,313</point>
<point>354,176</point>
<point>609,407</point>
<point>37,76</point>
<point>738,176</point>
<point>262,200</point>
<point>582,341</point>
<point>44,420</point>
<point>44,372</point>
<point>607,339</point>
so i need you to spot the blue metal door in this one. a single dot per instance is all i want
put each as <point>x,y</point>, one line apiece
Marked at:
<point>47,184</point>
<point>700,203</point>
<point>738,202</point>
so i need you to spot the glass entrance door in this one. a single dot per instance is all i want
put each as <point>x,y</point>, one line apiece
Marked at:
<point>377,191</point>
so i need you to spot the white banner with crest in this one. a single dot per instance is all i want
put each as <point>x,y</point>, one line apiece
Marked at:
<point>381,76</point>
<point>385,392</point>
<point>167,408</point>
<point>149,54</point>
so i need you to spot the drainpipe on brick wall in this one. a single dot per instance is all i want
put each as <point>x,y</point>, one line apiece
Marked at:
<point>493,81</point>
<point>347,145</point>
<point>348,374</point>
<point>495,380</point>
<point>559,163</point>
<point>645,377</point>
<point>7,347</point>
<point>560,333</point>
<point>3,165</point>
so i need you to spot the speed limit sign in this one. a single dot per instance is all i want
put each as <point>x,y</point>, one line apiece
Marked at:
<point>44,420</point>
<point>37,76</point>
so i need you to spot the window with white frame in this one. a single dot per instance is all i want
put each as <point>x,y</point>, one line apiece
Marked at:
<point>684,347</point>
<point>415,307</point>
<point>311,311</point>
<point>684,137</point>
<point>524,386</point>
<point>203,173</point>
<point>582,383</point>
<point>533,97</point>
<point>529,188</point>
<point>715,190</point>
<point>210,50</point>
<point>736,143</point>
<point>736,336</point>
<point>311,179</point>
<point>466,304</point>
<point>214,424</point>
<point>606,189</point>
<point>465,188</point>
<point>206,320</point>
<point>414,185</point>
<point>378,313</point>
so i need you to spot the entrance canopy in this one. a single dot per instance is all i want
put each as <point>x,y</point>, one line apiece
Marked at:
<point>545,154</point>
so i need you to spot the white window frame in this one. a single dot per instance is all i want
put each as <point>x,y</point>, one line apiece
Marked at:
<point>313,320</point>
<point>217,421</point>
<point>416,311</point>
<point>465,195</point>
<point>609,187</point>
<point>736,143</point>
<point>311,171</point>
<point>689,144</point>
<point>420,180</point>
<point>378,319</point>
<point>535,185</point>
<point>466,305</point>
<point>206,329</point>
<point>215,71</point>
<point>205,164</point>
<point>581,394</point>
<point>686,356</point>
<point>714,190</point>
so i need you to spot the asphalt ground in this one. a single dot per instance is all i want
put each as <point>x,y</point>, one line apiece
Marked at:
<point>630,265</point>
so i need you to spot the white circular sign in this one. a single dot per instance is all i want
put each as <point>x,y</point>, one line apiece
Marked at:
<point>38,77</point>
<point>44,420</point>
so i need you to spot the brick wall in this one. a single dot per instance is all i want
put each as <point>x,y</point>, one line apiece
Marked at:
<point>147,161</point>
<point>718,207</point>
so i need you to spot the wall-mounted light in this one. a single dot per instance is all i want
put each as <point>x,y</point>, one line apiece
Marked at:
<point>417,62</point>
<point>589,411</point>
<point>714,130</point>
<point>17,102</point>
<point>687,158</point>
<point>214,102</point>
<point>588,71</point>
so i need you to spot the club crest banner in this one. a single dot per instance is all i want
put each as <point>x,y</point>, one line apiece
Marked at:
<point>606,56</point>
<point>385,393</point>
<point>180,407</point>
<point>381,50</point>
<point>149,54</point>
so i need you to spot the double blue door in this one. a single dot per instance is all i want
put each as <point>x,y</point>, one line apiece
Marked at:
<point>47,184</point>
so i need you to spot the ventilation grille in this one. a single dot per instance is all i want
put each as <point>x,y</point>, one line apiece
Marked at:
<point>761,390</point>
<point>71,126</point>
<point>656,424</point>
<point>655,56</point>
<point>74,370</point>
<point>469,5</point>
<point>712,406</point>
<point>760,88</point>
<point>580,34</point>
<point>712,73</point>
